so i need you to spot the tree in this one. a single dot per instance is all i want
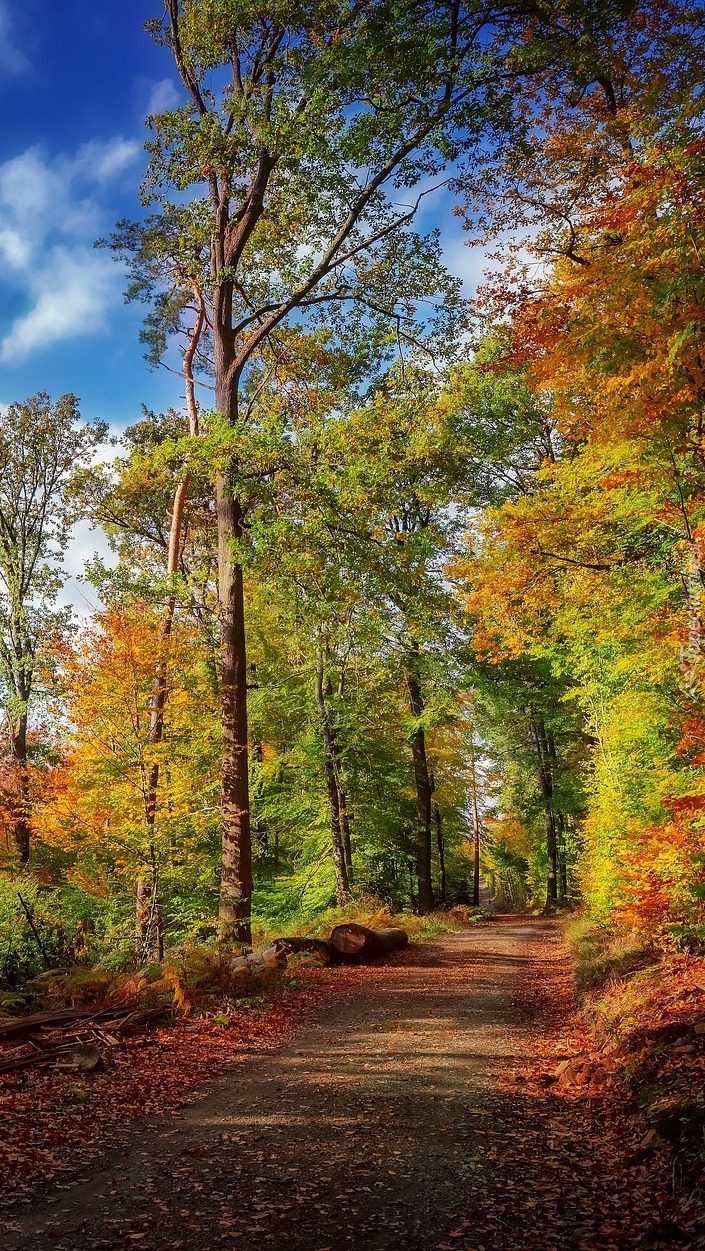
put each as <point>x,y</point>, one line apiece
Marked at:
<point>400,503</point>
<point>101,811</point>
<point>41,445</point>
<point>302,129</point>
<point>593,576</point>
<point>142,503</point>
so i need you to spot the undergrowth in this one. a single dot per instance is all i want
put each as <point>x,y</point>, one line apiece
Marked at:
<point>601,954</point>
<point>197,977</point>
<point>369,911</point>
<point>646,1012</point>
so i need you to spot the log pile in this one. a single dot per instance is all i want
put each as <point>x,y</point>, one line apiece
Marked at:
<point>77,1038</point>
<point>348,944</point>
<point>72,1039</point>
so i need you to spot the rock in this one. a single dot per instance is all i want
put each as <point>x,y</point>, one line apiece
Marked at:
<point>83,1057</point>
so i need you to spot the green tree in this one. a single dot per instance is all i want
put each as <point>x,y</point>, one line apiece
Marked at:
<point>298,134</point>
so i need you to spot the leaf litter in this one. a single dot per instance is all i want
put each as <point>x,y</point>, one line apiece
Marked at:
<point>417,1106</point>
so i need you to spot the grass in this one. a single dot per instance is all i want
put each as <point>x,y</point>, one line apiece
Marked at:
<point>604,955</point>
<point>375,915</point>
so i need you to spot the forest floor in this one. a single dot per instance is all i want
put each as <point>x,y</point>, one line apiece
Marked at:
<point>416,1108</point>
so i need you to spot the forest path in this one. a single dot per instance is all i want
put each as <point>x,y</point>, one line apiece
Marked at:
<point>380,1126</point>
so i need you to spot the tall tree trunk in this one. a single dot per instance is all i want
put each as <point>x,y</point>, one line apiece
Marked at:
<point>412,897</point>
<point>551,756</point>
<point>342,789</point>
<point>552,856</point>
<point>260,833</point>
<point>148,911</point>
<point>424,790</point>
<point>476,827</point>
<point>342,880</point>
<point>235,914</point>
<point>562,860</point>
<point>21,823</point>
<point>143,911</point>
<point>440,844</point>
<point>345,827</point>
<point>545,777</point>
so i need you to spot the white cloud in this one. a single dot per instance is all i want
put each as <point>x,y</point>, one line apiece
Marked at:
<point>13,61</point>
<point>71,293</point>
<point>162,97</point>
<point>50,213</point>
<point>86,542</point>
<point>102,161</point>
<point>15,250</point>
<point>29,187</point>
<point>466,261</point>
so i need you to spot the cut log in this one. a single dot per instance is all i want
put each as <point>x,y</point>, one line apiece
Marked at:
<point>258,963</point>
<point>324,951</point>
<point>355,943</point>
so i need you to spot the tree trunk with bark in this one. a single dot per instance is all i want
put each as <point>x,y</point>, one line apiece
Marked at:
<point>562,860</point>
<point>260,833</point>
<point>21,822</point>
<point>345,829</point>
<point>342,790</point>
<point>476,827</point>
<point>440,844</point>
<point>424,790</point>
<point>235,911</point>
<point>342,880</point>
<point>545,778</point>
<point>552,856</point>
<point>236,861</point>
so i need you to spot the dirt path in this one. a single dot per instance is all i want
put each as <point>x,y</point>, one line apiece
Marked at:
<point>381,1126</point>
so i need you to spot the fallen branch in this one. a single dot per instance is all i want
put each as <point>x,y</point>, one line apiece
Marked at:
<point>84,1035</point>
<point>15,1027</point>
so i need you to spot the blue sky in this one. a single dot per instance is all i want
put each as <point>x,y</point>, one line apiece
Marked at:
<point>76,81</point>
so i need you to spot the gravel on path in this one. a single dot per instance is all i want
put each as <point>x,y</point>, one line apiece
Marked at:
<point>381,1125</point>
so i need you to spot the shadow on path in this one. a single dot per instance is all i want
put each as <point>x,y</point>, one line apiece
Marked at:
<point>380,1126</point>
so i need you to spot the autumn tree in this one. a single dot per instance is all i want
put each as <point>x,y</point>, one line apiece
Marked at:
<point>100,815</point>
<point>155,512</point>
<point>593,569</point>
<point>41,445</point>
